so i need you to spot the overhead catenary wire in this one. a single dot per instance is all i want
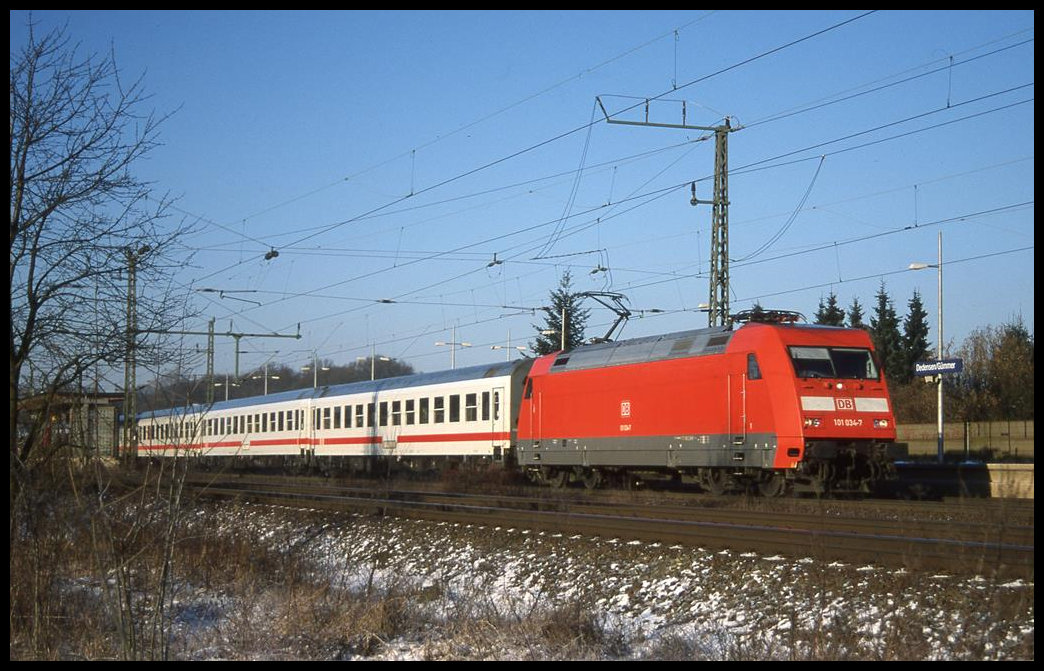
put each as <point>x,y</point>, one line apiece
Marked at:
<point>563,231</point>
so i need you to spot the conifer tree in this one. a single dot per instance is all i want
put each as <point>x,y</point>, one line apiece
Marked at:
<point>829,313</point>
<point>855,315</point>
<point>884,331</point>
<point>565,304</point>
<point>914,339</point>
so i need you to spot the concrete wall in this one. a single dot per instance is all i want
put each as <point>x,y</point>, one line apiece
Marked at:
<point>1011,480</point>
<point>1013,438</point>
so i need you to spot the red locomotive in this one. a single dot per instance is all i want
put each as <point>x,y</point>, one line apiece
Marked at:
<point>778,406</point>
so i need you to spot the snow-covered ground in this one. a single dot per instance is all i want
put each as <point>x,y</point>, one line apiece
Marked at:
<point>454,591</point>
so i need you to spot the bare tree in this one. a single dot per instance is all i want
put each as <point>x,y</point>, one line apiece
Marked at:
<point>80,220</point>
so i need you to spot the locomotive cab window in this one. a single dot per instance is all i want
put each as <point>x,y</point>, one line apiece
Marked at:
<point>834,362</point>
<point>753,371</point>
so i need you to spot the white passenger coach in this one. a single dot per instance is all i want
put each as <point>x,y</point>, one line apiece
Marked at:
<point>466,412</point>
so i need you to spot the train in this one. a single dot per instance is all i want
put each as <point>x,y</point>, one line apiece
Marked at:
<point>770,406</point>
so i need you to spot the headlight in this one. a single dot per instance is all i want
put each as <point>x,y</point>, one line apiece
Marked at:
<point>811,422</point>
<point>881,423</point>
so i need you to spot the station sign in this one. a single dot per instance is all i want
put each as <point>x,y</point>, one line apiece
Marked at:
<point>939,367</point>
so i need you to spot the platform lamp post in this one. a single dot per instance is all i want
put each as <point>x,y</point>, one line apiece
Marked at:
<point>315,369</point>
<point>560,331</point>
<point>508,347</point>
<point>226,384</point>
<point>373,361</point>
<point>453,345</point>
<point>266,376</point>
<point>939,267</point>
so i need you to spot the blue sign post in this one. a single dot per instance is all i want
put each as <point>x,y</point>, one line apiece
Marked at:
<point>938,367</point>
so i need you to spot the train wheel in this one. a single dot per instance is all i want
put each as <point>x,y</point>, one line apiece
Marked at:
<point>592,478</point>
<point>716,481</point>
<point>558,478</point>
<point>773,485</point>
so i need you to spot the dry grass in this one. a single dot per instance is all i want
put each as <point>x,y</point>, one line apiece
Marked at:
<point>139,579</point>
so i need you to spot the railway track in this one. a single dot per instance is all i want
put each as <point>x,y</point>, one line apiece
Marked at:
<point>996,544</point>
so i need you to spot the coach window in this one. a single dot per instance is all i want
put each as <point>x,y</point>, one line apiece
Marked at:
<point>396,413</point>
<point>371,414</point>
<point>384,413</point>
<point>440,409</point>
<point>359,414</point>
<point>264,422</point>
<point>753,371</point>
<point>337,417</point>
<point>423,411</point>
<point>470,407</point>
<point>485,406</point>
<point>454,409</point>
<point>289,420</point>
<point>411,412</point>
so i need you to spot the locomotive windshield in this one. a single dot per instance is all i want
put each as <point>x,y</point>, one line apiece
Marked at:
<point>834,362</point>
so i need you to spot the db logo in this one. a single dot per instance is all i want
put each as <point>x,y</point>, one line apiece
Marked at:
<point>845,403</point>
<point>625,408</point>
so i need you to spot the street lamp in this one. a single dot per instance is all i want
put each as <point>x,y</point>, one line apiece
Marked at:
<point>508,347</point>
<point>939,266</point>
<point>373,361</point>
<point>561,332</point>
<point>266,376</point>
<point>453,345</point>
<point>226,384</point>
<point>507,357</point>
<point>315,370</point>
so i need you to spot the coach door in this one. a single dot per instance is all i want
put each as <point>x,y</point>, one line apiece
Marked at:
<point>497,421</point>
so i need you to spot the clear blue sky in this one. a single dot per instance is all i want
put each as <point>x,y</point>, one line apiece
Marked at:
<point>307,132</point>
